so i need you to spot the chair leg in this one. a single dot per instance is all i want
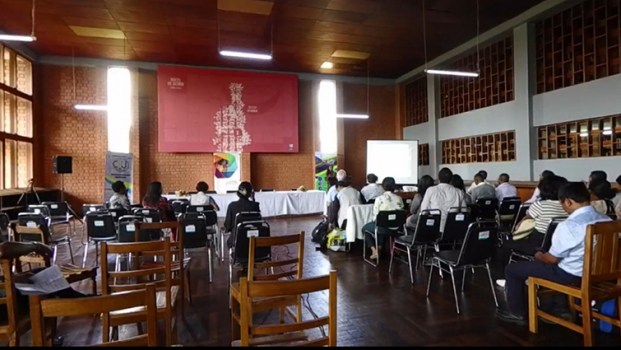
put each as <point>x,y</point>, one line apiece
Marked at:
<point>85,254</point>
<point>430,277</point>
<point>54,254</point>
<point>392,257</point>
<point>377,248</point>
<point>454,289</point>
<point>210,264</point>
<point>417,257</point>
<point>587,323</point>
<point>463,281</point>
<point>96,254</point>
<point>71,251</point>
<point>491,283</point>
<point>410,265</point>
<point>533,321</point>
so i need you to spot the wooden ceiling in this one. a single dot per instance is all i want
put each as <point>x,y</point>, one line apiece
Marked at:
<point>305,32</point>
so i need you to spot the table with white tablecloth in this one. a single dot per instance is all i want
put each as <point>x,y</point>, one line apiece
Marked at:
<point>357,217</point>
<point>275,203</point>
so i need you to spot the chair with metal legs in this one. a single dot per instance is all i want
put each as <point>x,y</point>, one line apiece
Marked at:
<point>242,217</point>
<point>487,209</point>
<point>34,227</point>
<point>394,221</point>
<point>100,227</point>
<point>426,234</point>
<point>196,236</point>
<point>507,211</point>
<point>60,215</point>
<point>476,252</point>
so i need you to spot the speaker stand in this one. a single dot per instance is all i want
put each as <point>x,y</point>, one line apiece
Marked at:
<point>62,197</point>
<point>30,188</point>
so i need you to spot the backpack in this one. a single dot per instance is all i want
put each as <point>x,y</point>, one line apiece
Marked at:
<point>320,234</point>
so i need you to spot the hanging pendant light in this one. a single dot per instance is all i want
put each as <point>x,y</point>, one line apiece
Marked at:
<point>23,38</point>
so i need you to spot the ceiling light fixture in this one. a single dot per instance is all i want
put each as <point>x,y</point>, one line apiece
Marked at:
<point>24,38</point>
<point>353,116</point>
<point>362,116</point>
<point>448,72</point>
<point>83,107</point>
<point>327,65</point>
<point>91,107</point>
<point>240,54</point>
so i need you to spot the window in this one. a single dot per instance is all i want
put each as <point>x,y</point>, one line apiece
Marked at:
<point>492,148</point>
<point>16,136</point>
<point>119,109</point>
<point>327,117</point>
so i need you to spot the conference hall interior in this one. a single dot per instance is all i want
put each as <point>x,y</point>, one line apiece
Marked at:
<point>229,173</point>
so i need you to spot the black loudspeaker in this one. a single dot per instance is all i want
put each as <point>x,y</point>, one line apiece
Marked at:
<point>62,165</point>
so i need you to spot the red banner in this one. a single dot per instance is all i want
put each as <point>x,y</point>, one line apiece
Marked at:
<point>209,110</point>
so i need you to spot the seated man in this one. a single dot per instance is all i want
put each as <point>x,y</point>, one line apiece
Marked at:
<point>119,199</point>
<point>443,196</point>
<point>202,198</point>
<point>373,189</point>
<point>346,197</point>
<point>483,174</point>
<point>505,189</point>
<point>482,189</point>
<point>564,262</point>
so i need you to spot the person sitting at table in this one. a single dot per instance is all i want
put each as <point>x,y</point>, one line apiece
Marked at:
<point>119,199</point>
<point>483,189</point>
<point>154,200</point>
<point>246,203</point>
<point>388,201</point>
<point>424,184</point>
<point>346,197</point>
<point>202,198</point>
<point>458,183</point>
<point>341,175</point>
<point>443,197</point>
<point>372,190</point>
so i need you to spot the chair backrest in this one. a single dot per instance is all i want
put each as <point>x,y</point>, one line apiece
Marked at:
<point>87,208</point>
<point>5,221</point>
<point>391,220</point>
<point>508,209</point>
<point>547,239</point>
<point>10,298</point>
<point>602,257</point>
<point>480,243</point>
<point>179,206</point>
<point>428,227</point>
<point>100,225</point>
<point>199,208</point>
<point>246,216</point>
<point>520,215</point>
<point>57,209</point>
<point>127,230</point>
<point>39,209</point>
<point>211,218</point>
<point>246,230</point>
<point>40,309</point>
<point>148,214</point>
<point>457,222</point>
<point>117,213</point>
<point>232,191</point>
<point>267,190</point>
<point>263,289</point>
<point>32,228</point>
<point>212,192</point>
<point>194,228</point>
<point>295,266</point>
<point>487,208</point>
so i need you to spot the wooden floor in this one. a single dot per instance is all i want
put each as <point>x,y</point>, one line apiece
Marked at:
<point>374,308</point>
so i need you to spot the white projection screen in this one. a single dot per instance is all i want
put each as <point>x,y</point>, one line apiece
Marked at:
<point>398,159</point>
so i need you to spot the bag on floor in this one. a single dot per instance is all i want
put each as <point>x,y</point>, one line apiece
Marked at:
<point>320,234</point>
<point>337,240</point>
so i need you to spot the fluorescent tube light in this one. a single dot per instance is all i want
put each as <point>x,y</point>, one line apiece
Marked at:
<point>254,56</point>
<point>327,65</point>
<point>608,132</point>
<point>91,108</point>
<point>448,72</point>
<point>353,116</point>
<point>26,38</point>
<point>584,134</point>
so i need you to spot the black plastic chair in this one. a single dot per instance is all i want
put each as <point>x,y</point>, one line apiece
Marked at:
<point>239,253</point>
<point>100,227</point>
<point>60,215</point>
<point>457,222</point>
<point>426,234</point>
<point>127,230</point>
<point>487,209</point>
<point>199,208</point>
<point>507,211</point>
<point>90,208</point>
<point>390,220</point>
<point>545,245</point>
<point>195,235</point>
<point>38,220</point>
<point>179,206</point>
<point>117,213</point>
<point>149,215</point>
<point>477,251</point>
<point>40,209</point>
<point>520,216</point>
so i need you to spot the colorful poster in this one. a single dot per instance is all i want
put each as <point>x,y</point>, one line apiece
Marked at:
<point>119,167</point>
<point>209,110</point>
<point>226,171</point>
<point>325,165</point>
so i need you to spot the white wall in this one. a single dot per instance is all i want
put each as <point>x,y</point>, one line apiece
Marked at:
<point>597,98</point>
<point>421,132</point>
<point>467,171</point>
<point>579,169</point>
<point>484,121</point>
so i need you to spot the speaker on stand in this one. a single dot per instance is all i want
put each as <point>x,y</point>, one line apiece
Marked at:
<point>64,165</point>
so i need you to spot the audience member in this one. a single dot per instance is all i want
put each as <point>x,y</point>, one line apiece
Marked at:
<point>458,183</point>
<point>601,196</point>
<point>341,175</point>
<point>332,191</point>
<point>119,199</point>
<point>483,174</point>
<point>536,194</point>
<point>346,197</point>
<point>483,189</point>
<point>505,189</point>
<point>598,176</point>
<point>246,203</point>
<point>154,200</point>
<point>617,200</point>
<point>202,198</point>
<point>564,262</point>
<point>388,201</point>
<point>424,184</point>
<point>443,196</point>
<point>373,189</point>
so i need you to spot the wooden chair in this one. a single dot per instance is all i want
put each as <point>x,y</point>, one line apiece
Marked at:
<point>282,302</point>
<point>41,310</point>
<point>601,280</point>
<point>168,287</point>
<point>286,334</point>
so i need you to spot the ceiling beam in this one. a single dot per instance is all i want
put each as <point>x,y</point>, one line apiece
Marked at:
<point>534,13</point>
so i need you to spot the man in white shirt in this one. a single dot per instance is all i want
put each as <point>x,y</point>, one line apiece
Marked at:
<point>473,185</point>
<point>537,193</point>
<point>443,196</point>
<point>483,189</point>
<point>202,198</point>
<point>373,189</point>
<point>564,262</point>
<point>505,189</point>
<point>346,197</point>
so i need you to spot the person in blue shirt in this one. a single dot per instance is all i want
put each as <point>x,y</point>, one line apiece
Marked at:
<point>564,262</point>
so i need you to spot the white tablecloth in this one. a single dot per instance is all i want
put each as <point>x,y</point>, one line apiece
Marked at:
<point>357,217</point>
<point>275,203</point>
